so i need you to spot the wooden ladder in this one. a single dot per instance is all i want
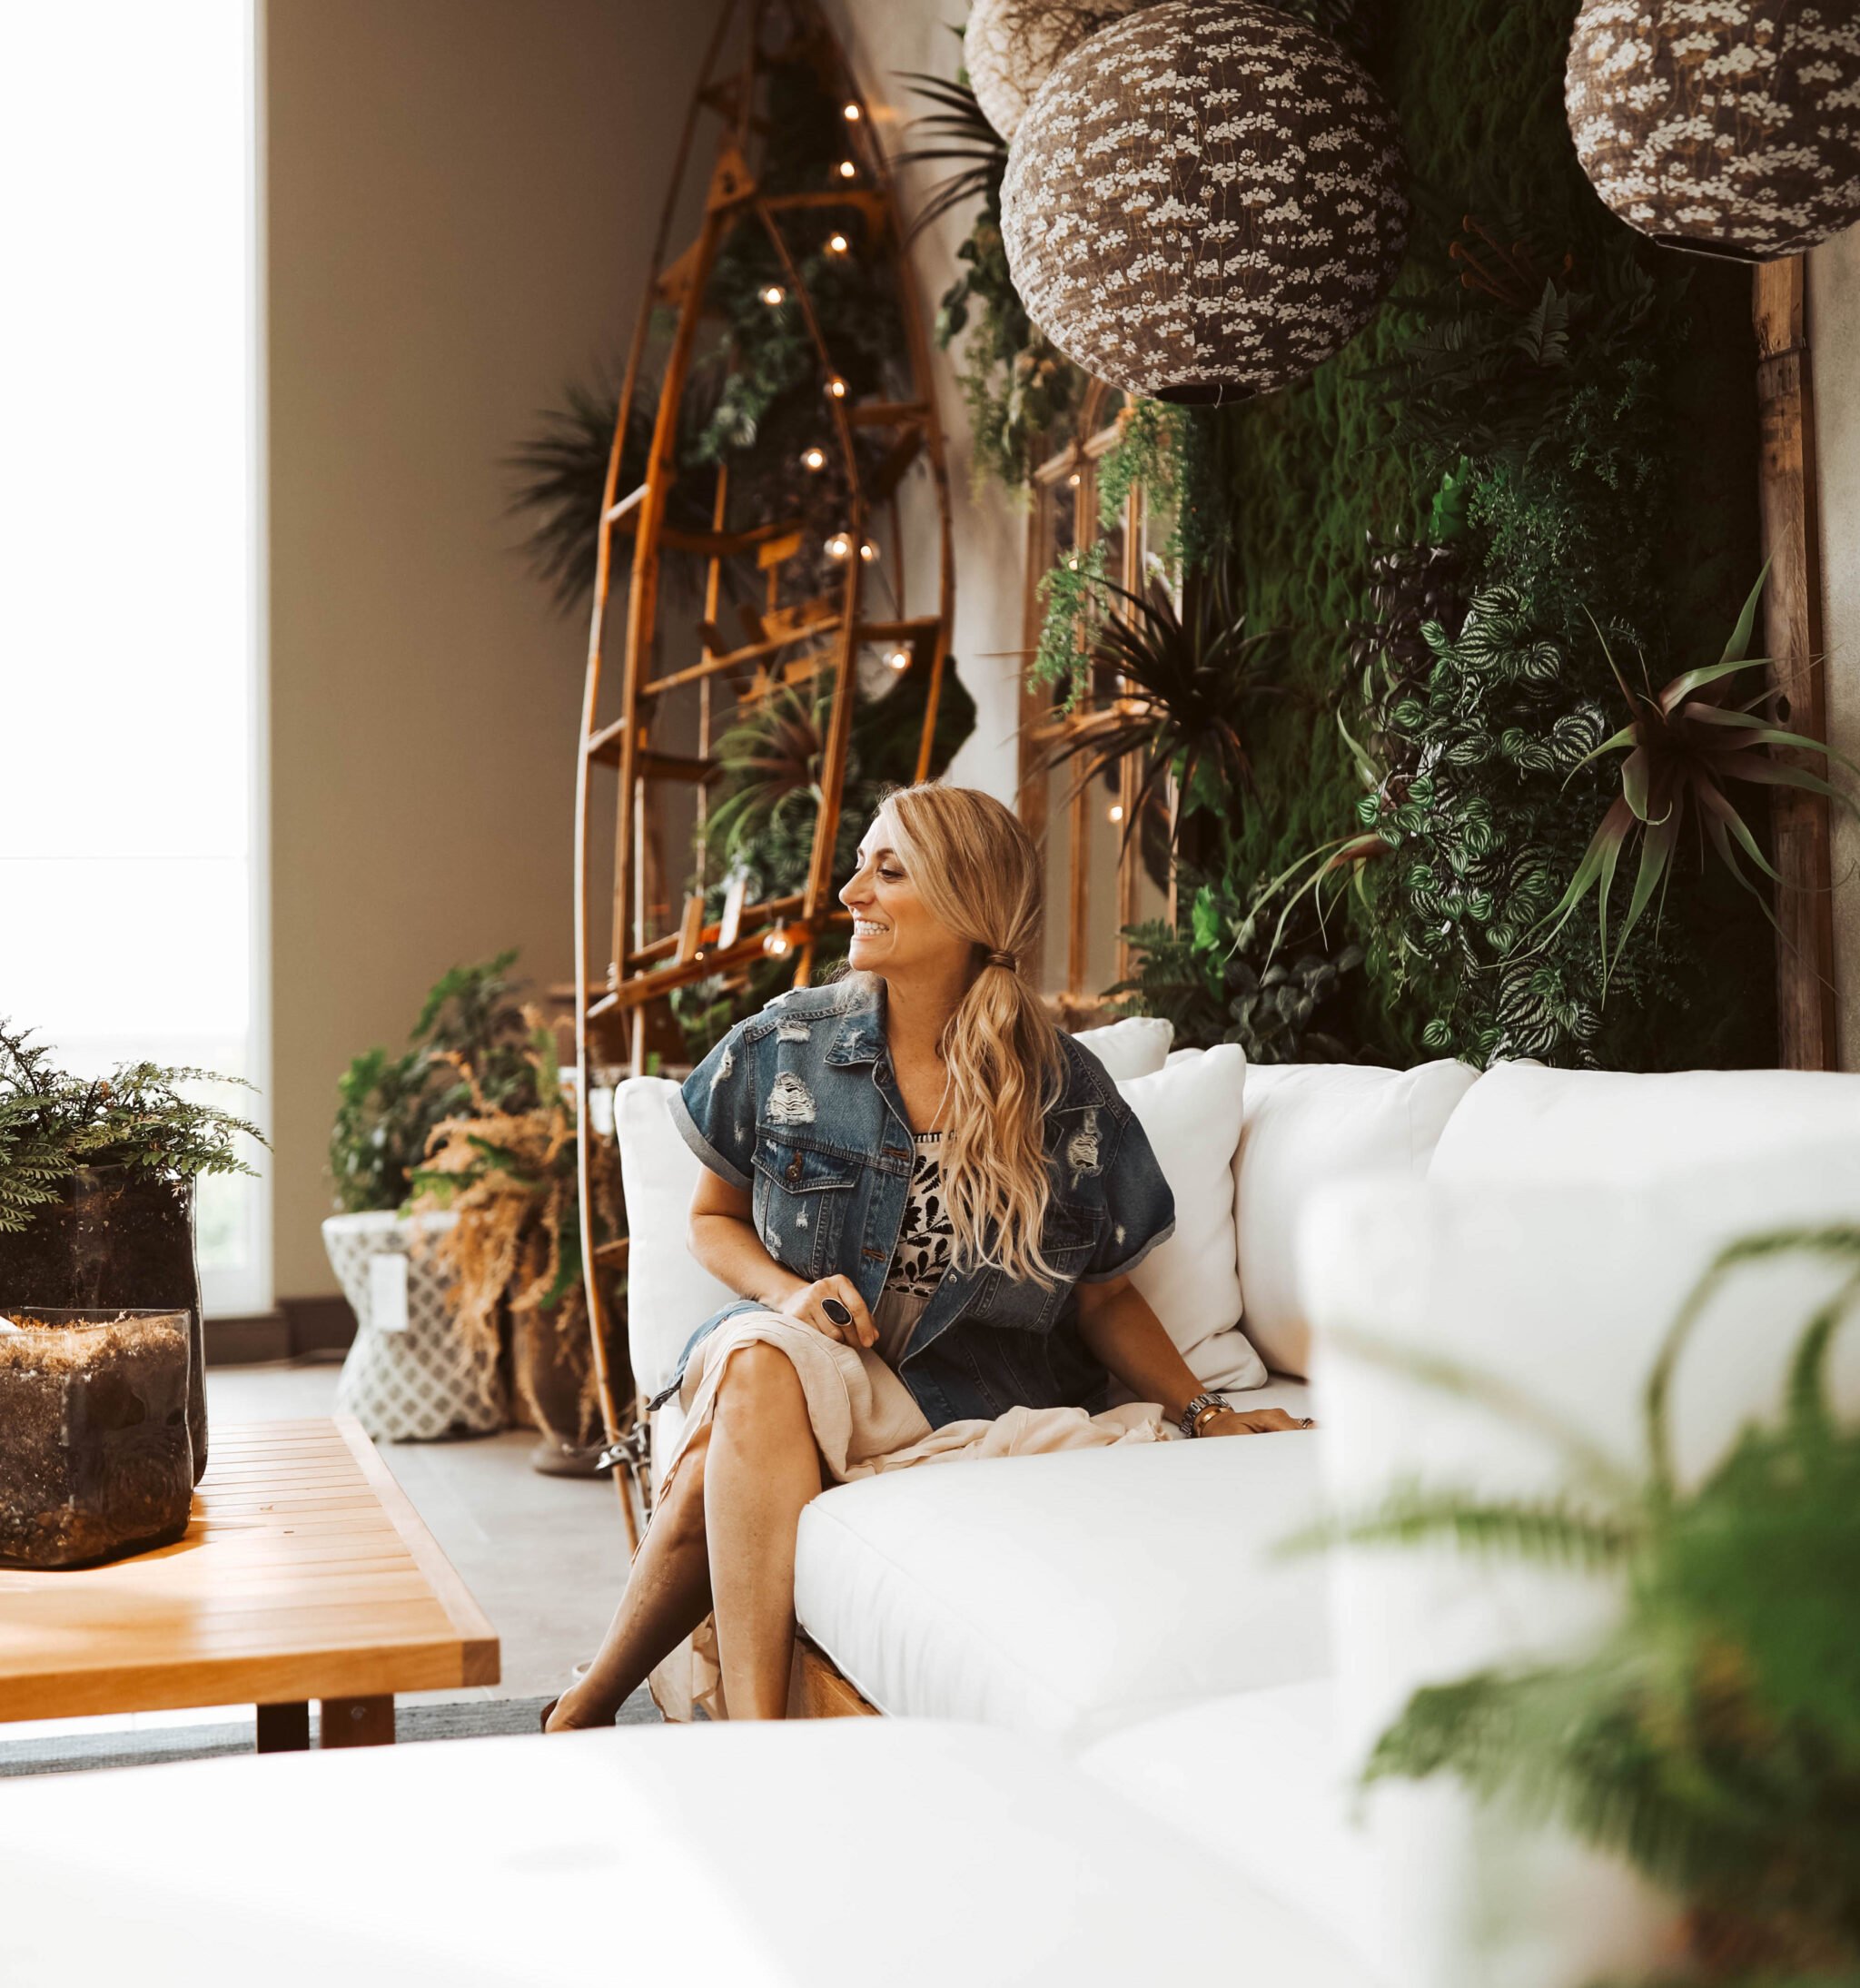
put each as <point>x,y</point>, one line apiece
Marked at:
<point>787,641</point>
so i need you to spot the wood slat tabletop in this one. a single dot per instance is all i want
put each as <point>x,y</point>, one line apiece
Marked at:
<point>305,1574</point>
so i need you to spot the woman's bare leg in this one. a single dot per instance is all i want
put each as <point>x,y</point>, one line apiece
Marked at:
<point>668,1595</point>
<point>763,1466</point>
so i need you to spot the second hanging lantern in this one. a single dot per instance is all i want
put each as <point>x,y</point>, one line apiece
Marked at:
<point>1205,202</point>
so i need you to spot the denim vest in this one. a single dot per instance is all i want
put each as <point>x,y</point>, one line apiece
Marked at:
<point>800,1105</point>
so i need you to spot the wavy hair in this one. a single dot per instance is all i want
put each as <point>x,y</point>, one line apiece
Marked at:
<point>978,873</point>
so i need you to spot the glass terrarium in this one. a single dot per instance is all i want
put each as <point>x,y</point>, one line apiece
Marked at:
<point>96,1460</point>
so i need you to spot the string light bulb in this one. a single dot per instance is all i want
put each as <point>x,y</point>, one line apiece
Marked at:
<point>868,552</point>
<point>776,945</point>
<point>837,244</point>
<point>899,660</point>
<point>1075,480</point>
<point>851,114</point>
<point>773,294</point>
<point>847,169</point>
<point>812,458</point>
<point>839,545</point>
<point>1114,811</point>
<point>837,387</point>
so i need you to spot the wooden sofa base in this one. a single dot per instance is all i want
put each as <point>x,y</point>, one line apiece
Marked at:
<point>816,1690</point>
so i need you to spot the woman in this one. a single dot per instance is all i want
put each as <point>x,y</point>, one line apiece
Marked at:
<point>932,1202</point>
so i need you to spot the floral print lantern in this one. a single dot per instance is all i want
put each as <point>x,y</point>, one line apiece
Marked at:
<point>1731,126</point>
<point>1204,202</point>
<point>1011,47</point>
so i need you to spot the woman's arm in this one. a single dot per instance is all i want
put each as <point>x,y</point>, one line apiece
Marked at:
<point>1123,1335</point>
<point>722,1237</point>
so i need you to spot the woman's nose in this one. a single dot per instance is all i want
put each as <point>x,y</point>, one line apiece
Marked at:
<point>852,893</point>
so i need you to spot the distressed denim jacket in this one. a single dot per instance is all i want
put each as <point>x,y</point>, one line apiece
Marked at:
<point>799,1104</point>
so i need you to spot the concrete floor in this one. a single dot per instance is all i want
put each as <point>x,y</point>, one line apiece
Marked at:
<point>545,1557</point>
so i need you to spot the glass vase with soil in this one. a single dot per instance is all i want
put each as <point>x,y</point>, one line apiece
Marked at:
<point>115,1237</point>
<point>95,1456</point>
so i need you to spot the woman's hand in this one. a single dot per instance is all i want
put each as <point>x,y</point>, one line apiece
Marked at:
<point>808,1304</point>
<point>1233,1421</point>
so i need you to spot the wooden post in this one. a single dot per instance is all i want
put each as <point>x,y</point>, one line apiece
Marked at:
<point>1801,830</point>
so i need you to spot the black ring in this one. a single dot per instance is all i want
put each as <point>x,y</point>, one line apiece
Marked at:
<point>835,1310</point>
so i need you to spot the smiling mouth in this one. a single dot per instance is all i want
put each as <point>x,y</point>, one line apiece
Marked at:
<point>863,928</point>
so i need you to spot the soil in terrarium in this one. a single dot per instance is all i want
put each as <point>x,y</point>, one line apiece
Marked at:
<point>95,1456</point>
<point>114,1240</point>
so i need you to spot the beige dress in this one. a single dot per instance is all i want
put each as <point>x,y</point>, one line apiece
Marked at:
<point>866,1419</point>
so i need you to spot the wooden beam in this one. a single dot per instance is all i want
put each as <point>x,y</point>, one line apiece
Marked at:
<point>1800,828</point>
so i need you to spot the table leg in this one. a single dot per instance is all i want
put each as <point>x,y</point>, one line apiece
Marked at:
<point>358,1721</point>
<point>284,1728</point>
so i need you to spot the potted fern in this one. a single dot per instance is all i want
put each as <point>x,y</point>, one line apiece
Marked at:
<point>1713,1738</point>
<point>97,1191</point>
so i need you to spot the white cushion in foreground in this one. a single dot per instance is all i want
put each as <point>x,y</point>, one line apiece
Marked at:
<point>1250,1778</point>
<point>1132,1047</point>
<point>836,1854</point>
<point>1069,1593</point>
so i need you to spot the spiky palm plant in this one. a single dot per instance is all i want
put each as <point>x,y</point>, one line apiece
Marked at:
<point>956,133</point>
<point>1190,685</point>
<point>1713,1738</point>
<point>1685,744</point>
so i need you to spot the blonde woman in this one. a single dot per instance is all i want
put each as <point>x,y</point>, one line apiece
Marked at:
<point>932,1202</point>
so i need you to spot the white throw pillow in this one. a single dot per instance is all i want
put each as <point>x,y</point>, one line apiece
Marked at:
<point>1307,1124</point>
<point>1191,1112</point>
<point>1133,1047</point>
<point>669,1294</point>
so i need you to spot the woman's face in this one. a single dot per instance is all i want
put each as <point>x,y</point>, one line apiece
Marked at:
<point>894,933</point>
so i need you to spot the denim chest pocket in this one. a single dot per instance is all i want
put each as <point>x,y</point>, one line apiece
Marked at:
<point>799,1202</point>
<point>1067,1239</point>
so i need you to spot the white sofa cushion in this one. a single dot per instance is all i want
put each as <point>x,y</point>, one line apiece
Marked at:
<point>1190,1111</point>
<point>1307,1124</point>
<point>1069,1593</point>
<point>760,1855</point>
<point>669,1294</point>
<point>1251,1778</point>
<point>1565,1292</point>
<point>1133,1047</point>
<point>1526,1123</point>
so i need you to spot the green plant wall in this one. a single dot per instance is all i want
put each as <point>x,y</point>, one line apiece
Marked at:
<point>1299,484</point>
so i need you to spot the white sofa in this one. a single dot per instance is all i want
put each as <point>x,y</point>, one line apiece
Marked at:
<point>1130,1606</point>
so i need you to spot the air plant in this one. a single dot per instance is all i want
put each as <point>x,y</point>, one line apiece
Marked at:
<point>1684,745</point>
<point>1188,686</point>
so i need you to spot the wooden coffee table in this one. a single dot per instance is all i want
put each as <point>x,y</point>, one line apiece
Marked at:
<point>305,1574</point>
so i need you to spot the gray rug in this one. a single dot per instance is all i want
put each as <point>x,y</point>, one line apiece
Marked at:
<point>460,1718</point>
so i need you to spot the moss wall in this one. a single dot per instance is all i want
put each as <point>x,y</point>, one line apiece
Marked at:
<point>1309,476</point>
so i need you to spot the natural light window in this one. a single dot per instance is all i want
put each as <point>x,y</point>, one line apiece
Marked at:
<point>130,906</point>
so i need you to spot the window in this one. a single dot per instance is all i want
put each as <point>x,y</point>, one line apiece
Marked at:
<point>131,855</point>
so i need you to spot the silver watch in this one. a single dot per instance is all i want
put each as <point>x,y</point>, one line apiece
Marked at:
<point>1200,1403</point>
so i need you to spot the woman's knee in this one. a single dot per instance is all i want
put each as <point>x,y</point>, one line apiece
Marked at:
<point>758,1382</point>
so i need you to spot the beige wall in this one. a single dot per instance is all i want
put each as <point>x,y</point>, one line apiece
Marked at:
<point>460,197</point>
<point>1834,330</point>
<point>885,41</point>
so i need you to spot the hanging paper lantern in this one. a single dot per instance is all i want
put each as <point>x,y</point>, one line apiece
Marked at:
<point>1011,47</point>
<point>1204,202</point>
<point>1725,125</point>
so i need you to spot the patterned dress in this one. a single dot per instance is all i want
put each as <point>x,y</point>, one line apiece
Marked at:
<point>922,1253</point>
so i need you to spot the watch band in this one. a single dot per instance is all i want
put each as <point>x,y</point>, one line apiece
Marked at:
<point>1192,1413</point>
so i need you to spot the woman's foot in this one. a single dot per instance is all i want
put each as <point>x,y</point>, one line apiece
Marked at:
<point>563,1714</point>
